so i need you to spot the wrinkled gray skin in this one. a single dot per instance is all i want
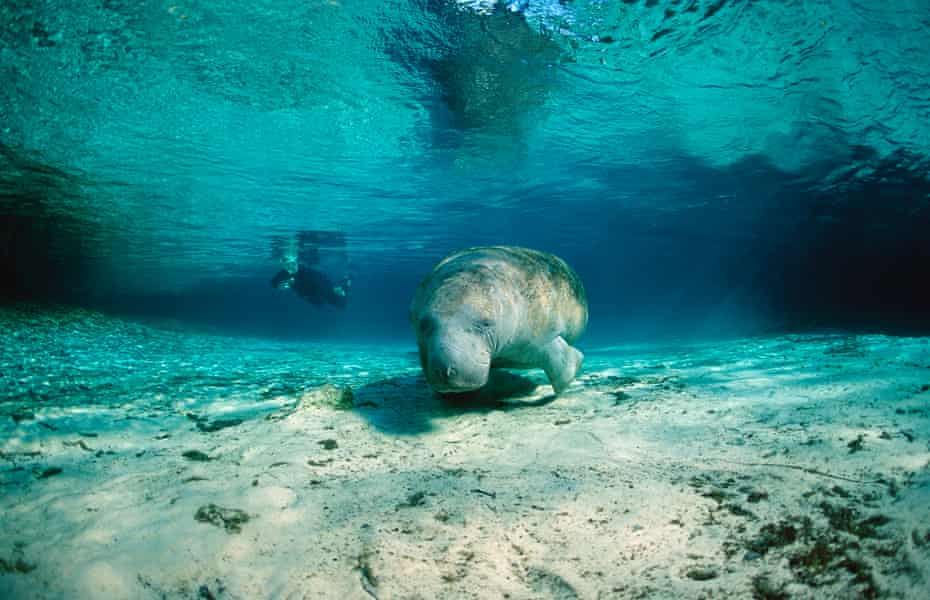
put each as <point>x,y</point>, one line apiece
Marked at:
<point>498,306</point>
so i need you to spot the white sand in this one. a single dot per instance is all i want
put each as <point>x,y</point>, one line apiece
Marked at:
<point>772,468</point>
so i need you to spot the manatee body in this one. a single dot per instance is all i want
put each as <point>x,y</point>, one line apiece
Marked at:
<point>498,306</point>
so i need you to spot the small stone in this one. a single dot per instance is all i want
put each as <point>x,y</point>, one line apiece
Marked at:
<point>620,397</point>
<point>856,444</point>
<point>196,455</point>
<point>756,496</point>
<point>217,424</point>
<point>205,593</point>
<point>22,415</point>
<point>701,573</point>
<point>414,499</point>
<point>50,472</point>
<point>763,589</point>
<point>328,444</point>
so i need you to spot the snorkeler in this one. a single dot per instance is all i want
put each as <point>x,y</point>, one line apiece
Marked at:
<point>313,286</point>
<point>302,255</point>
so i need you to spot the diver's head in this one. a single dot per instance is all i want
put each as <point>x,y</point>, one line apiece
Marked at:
<point>289,263</point>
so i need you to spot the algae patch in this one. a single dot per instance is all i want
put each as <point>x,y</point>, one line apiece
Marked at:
<point>230,519</point>
<point>16,563</point>
<point>328,396</point>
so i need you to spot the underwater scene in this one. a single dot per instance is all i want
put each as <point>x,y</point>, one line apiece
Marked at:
<point>415,299</point>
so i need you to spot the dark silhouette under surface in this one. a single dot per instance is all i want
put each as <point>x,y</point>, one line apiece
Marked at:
<point>313,286</point>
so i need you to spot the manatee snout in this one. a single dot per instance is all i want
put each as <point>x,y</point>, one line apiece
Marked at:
<point>457,365</point>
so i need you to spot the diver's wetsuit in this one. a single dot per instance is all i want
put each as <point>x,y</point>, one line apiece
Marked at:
<point>313,286</point>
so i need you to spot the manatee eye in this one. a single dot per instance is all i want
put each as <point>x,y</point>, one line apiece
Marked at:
<point>426,324</point>
<point>484,324</point>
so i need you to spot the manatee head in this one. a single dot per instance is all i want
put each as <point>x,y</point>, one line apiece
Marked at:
<point>455,351</point>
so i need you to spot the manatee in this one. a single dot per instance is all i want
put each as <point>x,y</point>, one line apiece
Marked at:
<point>498,307</point>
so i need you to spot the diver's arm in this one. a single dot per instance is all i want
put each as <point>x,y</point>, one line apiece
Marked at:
<point>282,279</point>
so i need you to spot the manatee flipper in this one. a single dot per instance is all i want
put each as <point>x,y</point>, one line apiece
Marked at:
<point>561,363</point>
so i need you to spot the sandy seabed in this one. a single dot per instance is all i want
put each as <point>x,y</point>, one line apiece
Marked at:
<point>149,462</point>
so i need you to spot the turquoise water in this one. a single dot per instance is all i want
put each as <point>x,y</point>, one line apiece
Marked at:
<point>697,162</point>
<point>741,185</point>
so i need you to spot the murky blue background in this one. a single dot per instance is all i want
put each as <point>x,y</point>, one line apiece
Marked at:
<point>708,167</point>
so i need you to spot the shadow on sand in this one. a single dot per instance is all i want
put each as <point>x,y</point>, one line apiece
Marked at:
<point>406,405</point>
